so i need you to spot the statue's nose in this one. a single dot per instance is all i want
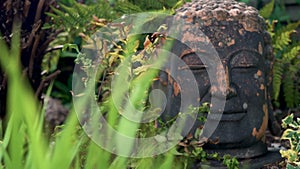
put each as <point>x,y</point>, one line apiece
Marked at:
<point>230,89</point>
<point>230,92</point>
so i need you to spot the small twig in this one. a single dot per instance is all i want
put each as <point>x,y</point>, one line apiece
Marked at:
<point>32,34</point>
<point>4,82</point>
<point>58,47</point>
<point>33,55</point>
<point>26,8</point>
<point>43,48</point>
<point>48,78</point>
<point>39,10</point>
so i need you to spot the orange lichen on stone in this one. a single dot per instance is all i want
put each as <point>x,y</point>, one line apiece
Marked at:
<point>211,12</point>
<point>186,52</point>
<point>227,78</point>
<point>207,22</point>
<point>220,14</point>
<point>262,87</point>
<point>232,42</point>
<point>241,31</point>
<point>260,48</point>
<point>261,132</point>
<point>188,37</point>
<point>176,89</point>
<point>189,20</point>
<point>222,80</point>
<point>249,25</point>
<point>234,12</point>
<point>163,82</point>
<point>169,76</point>
<point>220,44</point>
<point>259,73</point>
<point>213,89</point>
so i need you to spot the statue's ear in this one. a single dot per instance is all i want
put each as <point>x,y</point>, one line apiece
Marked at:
<point>273,124</point>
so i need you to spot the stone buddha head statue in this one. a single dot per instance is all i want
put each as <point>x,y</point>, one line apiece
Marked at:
<point>239,36</point>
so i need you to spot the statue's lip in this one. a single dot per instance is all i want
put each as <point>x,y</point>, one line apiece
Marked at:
<point>227,116</point>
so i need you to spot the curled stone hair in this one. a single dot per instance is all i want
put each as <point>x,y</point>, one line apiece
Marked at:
<point>228,10</point>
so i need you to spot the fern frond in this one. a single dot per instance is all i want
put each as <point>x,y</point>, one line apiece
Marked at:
<point>282,40</point>
<point>267,10</point>
<point>292,52</point>
<point>151,5</point>
<point>282,36</point>
<point>127,7</point>
<point>61,18</point>
<point>289,86</point>
<point>289,27</point>
<point>81,9</point>
<point>57,15</point>
<point>72,11</point>
<point>277,78</point>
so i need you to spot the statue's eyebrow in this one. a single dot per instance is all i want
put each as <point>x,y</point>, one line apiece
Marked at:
<point>233,53</point>
<point>199,52</point>
<point>186,52</point>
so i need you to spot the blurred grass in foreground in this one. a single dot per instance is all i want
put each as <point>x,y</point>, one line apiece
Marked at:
<point>25,144</point>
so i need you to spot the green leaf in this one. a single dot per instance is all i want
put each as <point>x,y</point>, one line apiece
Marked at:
<point>68,142</point>
<point>288,134</point>
<point>267,10</point>
<point>289,166</point>
<point>287,120</point>
<point>178,4</point>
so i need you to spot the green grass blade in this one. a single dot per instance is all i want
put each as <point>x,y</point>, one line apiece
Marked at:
<point>67,143</point>
<point>97,157</point>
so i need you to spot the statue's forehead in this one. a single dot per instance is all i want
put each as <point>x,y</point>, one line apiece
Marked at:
<point>225,40</point>
<point>249,42</point>
<point>240,56</point>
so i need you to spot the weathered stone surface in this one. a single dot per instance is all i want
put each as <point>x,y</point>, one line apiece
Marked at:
<point>239,35</point>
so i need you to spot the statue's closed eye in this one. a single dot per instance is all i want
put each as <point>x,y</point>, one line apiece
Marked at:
<point>197,67</point>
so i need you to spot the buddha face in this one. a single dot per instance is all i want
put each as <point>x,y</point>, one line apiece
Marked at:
<point>238,34</point>
<point>245,116</point>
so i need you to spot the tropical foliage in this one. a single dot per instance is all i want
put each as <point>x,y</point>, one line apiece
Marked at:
<point>292,134</point>
<point>55,40</point>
